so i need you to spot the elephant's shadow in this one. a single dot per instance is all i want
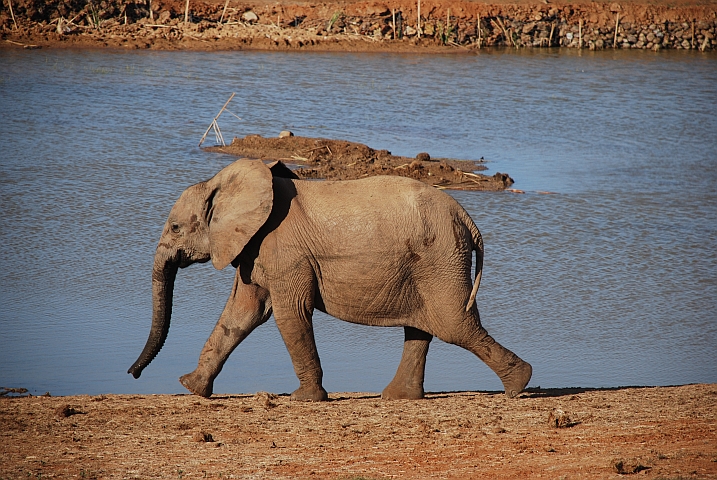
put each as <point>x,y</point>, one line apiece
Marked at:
<point>533,392</point>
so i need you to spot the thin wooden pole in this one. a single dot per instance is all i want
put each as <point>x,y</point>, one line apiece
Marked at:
<point>692,42</point>
<point>552,30</point>
<point>186,12</point>
<point>580,34</point>
<point>479,31</point>
<point>617,24</point>
<point>393,22</point>
<point>418,22</point>
<point>151,15</point>
<point>9,2</point>
<point>214,122</point>
<point>226,4</point>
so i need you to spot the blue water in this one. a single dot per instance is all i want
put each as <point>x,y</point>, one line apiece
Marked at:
<point>610,281</point>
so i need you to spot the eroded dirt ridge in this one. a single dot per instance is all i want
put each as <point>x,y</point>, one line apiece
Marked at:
<point>356,25</point>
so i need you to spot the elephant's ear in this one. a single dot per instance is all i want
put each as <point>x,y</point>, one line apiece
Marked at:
<point>239,202</point>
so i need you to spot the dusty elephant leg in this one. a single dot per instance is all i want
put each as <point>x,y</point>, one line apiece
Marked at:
<point>248,307</point>
<point>408,381</point>
<point>297,330</point>
<point>512,371</point>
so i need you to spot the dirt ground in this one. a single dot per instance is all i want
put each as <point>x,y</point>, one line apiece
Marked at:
<point>458,26</point>
<point>343,160</point>
<point>652,432</point>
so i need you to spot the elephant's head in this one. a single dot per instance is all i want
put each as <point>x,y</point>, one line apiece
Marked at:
<point>211,220</point>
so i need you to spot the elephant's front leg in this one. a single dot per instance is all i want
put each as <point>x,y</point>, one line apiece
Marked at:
<point>297,330</point>
<point>248,307</point>
<point>408,381</point>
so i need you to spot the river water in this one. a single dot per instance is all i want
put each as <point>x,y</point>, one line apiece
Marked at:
<point>610,281</point>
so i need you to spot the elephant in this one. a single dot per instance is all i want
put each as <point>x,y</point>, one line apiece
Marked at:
<point>382,251</point>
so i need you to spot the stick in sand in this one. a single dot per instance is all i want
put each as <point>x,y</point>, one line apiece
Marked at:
<point>617,24</point>
<point>9,2</point>
<point>479,30</point>
<point>214,122</point>
<point>226,4</point>
<point>186,12</point>
<point>393,22</point>
<point>418,23</point>
<point>580,34</point>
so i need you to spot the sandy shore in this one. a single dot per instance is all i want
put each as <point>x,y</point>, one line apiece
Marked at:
<point>656,432</point>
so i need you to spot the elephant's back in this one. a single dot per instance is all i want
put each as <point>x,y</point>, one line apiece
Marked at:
<point>375,194</point>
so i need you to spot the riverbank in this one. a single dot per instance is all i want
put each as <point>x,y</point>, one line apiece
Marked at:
<point>358,25</point>
<point>657,432</point>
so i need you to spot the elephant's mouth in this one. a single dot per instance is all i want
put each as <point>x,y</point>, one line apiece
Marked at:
<point>185,259</point>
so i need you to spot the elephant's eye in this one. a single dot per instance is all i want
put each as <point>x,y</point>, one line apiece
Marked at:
<point>175,228</point>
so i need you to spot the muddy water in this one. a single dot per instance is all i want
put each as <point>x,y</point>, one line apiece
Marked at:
<point>610,281</point>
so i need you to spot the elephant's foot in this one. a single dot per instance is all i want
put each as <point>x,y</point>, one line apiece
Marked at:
<point>197,384</point>
<point>517,378</point>
<point>402,392</point>
<point>313,393</point>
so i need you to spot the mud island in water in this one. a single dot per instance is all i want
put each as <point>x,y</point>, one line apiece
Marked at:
<point>344,160</point>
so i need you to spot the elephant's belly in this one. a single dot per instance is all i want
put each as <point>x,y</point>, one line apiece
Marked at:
<point>389,304</point>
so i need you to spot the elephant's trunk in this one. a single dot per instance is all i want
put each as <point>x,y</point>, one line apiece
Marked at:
<point>163,276</point>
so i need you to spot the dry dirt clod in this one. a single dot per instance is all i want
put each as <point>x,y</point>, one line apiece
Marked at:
<point>202,437</point>
<point>628,466</point>
<point>559,419</point>
<point>265,399</point>
<point>65,411</point>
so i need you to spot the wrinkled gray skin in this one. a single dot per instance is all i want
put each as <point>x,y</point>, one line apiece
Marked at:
<point>386,251</point>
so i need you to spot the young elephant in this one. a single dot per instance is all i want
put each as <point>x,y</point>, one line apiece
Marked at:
<point>386,251</point>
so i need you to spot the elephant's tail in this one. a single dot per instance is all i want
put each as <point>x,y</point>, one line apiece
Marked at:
<point>477,246</point>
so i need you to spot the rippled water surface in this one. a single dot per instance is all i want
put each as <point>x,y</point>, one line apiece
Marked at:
<point>610,281</point>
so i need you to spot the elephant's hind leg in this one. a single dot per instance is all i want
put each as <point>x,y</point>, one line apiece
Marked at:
<point>408,381</point>
<point>248,307</point>
<point>514,372</point>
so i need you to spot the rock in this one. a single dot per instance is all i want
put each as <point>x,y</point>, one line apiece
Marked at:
<point>410,31</point>
<point>423,157</point>
<point>285,133</point>
<point>377,10</point>
<point>504,178</point>
<point>164,17</point>
<point>250,17</point>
